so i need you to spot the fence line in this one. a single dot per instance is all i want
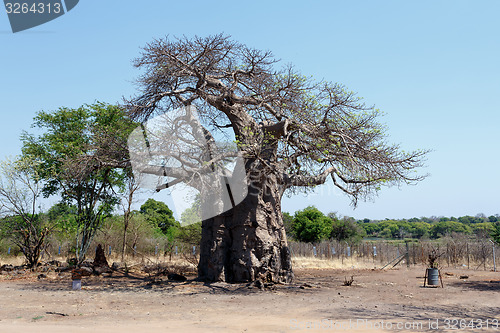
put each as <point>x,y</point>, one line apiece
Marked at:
<point>453,253</point>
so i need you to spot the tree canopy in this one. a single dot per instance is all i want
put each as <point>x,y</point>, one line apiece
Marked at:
<point>311,225</point>
<point>305,130</point>
<point>158,214</point>
<point>495,233</point>
<point>77,153</point>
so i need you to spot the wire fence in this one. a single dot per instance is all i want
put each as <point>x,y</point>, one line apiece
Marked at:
<point>160,250</point>
<point>464,253</point>
<point>472,254</point>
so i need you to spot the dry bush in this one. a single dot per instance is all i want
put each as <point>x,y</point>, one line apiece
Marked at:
<point>349,282</point>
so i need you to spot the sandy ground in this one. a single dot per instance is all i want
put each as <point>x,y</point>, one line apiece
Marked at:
<point>390,300</point>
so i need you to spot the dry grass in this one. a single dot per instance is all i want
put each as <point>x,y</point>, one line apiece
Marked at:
<point>178,261</point>
<point>320,263</point>
<point>176,264</point>
<point>12,260</point>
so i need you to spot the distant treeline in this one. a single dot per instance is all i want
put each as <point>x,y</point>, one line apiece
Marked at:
<point>311,225</point>
<point>431,227</point>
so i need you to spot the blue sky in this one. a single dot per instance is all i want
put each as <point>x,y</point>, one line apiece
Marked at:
<point>432,66</point>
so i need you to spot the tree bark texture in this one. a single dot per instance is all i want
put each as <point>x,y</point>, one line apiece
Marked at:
<point>248,242</point>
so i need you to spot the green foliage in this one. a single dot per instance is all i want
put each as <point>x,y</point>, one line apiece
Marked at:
<point>288,224</point>
<point>140,233</point>
<point>64,216</point>
<point>482,229</point>
<point>443,228</point>
<point>346,229</point>
<point>28,233</point>
<point>472,219</point>
<point>495,233</point>
<point>192,214</point>
<point>311,225</point>
<point>77,153</point>
<point>61,210</point>
<point>420,229</point>
<point>397,229</point>
<point>159,215</point>
<point>190,234</point>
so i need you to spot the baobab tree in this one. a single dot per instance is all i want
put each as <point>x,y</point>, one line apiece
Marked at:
<point>292,133</point>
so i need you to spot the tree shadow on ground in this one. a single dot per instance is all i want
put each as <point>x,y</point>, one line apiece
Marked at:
<point>425,318</point>
<point>492,285</point>
<point>150,283</point>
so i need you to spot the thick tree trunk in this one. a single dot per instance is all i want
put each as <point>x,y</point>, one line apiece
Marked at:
<point>214,249</point>
<point>248,242</point>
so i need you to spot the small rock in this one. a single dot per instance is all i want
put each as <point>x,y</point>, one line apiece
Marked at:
<point>56,263</point>
<point>82,271</point>
<point>7,268</point>
<point>98,270</point>
<point>87,263</point>
<point>176,277</point>
<point>117,266</point>
<point>464,277</point>
<point>42,276</point>
<point>259,284</point>
<point>71,261</point>
<point>63,268</point>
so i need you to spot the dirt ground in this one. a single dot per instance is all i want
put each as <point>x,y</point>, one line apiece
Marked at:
<point>378,300</point>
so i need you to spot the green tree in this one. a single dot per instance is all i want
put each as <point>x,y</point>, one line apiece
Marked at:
<point>288,223</point>
<point>190,234</point>
<point>420,229</point>
<point>78,152</point>
<point>192,214</point>
<point>493,218</point>
<point>447,227</point>
<point>483,229</point>
<point>64,216</point>
<point>345,229</point>
<point>371,229</point>
<point>159,215</point>
<point>311,225</point>
<point>190,231</point>
<point>495,233</point>
<point>389,229</point>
